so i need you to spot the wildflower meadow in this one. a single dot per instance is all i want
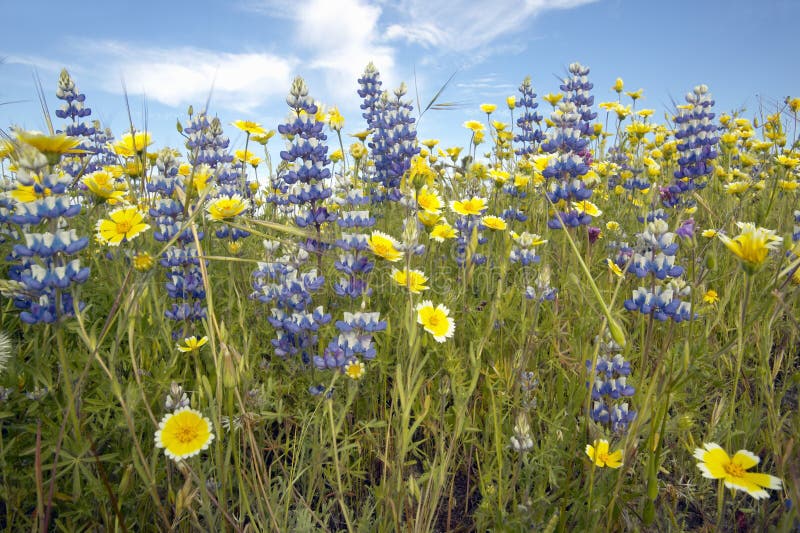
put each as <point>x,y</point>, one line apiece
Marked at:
<point>585,317</point>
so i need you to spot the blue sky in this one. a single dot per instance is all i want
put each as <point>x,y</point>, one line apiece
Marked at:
<point>169,55</point>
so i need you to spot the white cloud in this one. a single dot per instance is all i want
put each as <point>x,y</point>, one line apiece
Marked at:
<point>340,38</point>
<point>464,25</point>
<point>186,75</point>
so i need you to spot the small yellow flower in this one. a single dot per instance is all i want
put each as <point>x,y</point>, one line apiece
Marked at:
<point>612,266</point>
<point>125,223</point>
<point>192,344</point>
<point>355,369</point>
<point>635,95</point>
<point>384,246</point>
<point>488,108</point>
<point>474,125</point>
<point>618,86</point>
<point>553,99</point>
<point>234,247</point>
<point>511,102</point>
<point>337,155</point>
<point>262,138</point>
<point>362,135</point>
<point>612,225</point>
<point>716,464</point>
<point>248,126</point>
<point>453,152</point>
<point>598,452</point>
<point>430,143</point>
<point>143,261</point>
<point>358,150</point>
<point>335,119</point>
<point>752,245</point>
<point>709,233</point>
<point>435,320</point>
<point>413,280</point>
<point>469,206</point>
<point>443,231</point>
<point>493,222</point>
<point>226,207</point>
<point>711,297</point>
<point>184,433</point>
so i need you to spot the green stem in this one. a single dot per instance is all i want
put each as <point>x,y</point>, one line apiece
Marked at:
<point>739,348</point>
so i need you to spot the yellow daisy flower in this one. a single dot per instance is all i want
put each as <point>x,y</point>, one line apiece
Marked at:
<point>752,245</point>
<point>716,464</point>
<point>469,206</point>
<point>443,231</point>
<point>184,433</point>
<point>226,207</point>
<point>488,108</point>
<point>709,233</point>
<point>585,206</point>
<point>103,186</point>
<point>125,223</point>
<point>435,320</point>
<point>429,201</point>
<point>51,146</point>
<point>384,246</point>
<point>511,102</point>
<point>413,280</point>
<point>192,344</point>
<point>598,452</point>
<point>131,144</point>
<point>493,222</point>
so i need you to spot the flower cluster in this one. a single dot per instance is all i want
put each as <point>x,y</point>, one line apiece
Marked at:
<point>653,257</point>
<point>354,341</point>
<point>184,279</point>
<point>352,263</point>
<point>296,323</point>
<point>306,158</point>
<point>697,140</point>
<point>44,263</point>
<point>568,141</point>
<point>610,387</point>
<point>393,143</point>
<point>74,109</point>
<point>529,121</point>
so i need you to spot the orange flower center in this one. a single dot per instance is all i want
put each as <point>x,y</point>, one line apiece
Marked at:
<point>734,469</point>
<point>124,226</point>
<point>186,433</point>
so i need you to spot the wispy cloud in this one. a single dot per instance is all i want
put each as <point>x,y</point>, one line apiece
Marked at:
<point>464,25</point>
